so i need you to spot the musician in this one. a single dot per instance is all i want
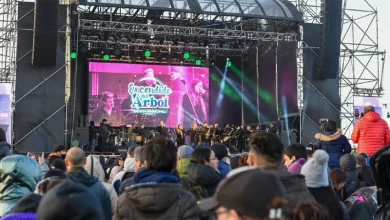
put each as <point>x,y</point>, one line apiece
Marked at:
<point>180,135</point>
<point>162,129</point>
<point>104,133</point>
<point>240,134</point>
<point>195,104</point>
<point>140,134</point>
<point>92,134</point>
<point>107,110</point>
<point>193,133</point>
<point>215,131</point>
<point>132,135</point>
<point>248,133</point>
<point>206,135</point>
<point>152,134</point>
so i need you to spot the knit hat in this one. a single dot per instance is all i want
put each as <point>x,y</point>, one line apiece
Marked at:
<point>295,168</point>
<point>185,151</point>
<point>347,162</point>
<point>360,160</point>
<point>315,170</point>
<point>58,164</point>
<point>220,151</point>
<point>20,216</point>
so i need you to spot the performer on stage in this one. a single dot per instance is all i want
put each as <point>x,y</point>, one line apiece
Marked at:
<point>107,110</point>
<point>132,135</point>
<point>193,133</point>
<point>152,134</point>
<point>162,130</point>
<point>92,135</point>
<point>180,133</point>
<point>240,134</point>
<point>215,131</point>
<point>195,104</point>
<point>104,133</point>
<point>140,135</point>
<point>206,134</point>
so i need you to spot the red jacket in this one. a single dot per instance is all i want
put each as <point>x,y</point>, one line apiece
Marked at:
<point>371,133</point>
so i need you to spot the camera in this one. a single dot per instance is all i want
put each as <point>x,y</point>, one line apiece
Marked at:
<point>323,122</point>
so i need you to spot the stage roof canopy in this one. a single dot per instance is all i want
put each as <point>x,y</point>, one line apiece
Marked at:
<point>266,9</point>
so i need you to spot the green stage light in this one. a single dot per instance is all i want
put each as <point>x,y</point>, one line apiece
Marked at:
<point>73,55</point>
<point>117,51</point>
<point>229,63</point>
<point>198,62</point>
<point>186,55</point>
<point>106,57</point>
<point>148,53</point>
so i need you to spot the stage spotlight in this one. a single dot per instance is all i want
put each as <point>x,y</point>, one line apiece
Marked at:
<point>186,55</point>
<point>198,62</point>
<point>227,59</point>
<point>147,53</point>
<point>106,57</point>
<point>228,63</point>
<point>73,55</point>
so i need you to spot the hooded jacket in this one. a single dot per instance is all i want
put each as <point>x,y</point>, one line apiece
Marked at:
<point>18,177</point>
<point>348,165</point>
<point>201,175</point>
<point>94,168</point>
<point>80,175</point>
<point>371,133</point>
<point>336,146</point>
<point>182,167</point>
<point>5,150</point>
<point>156,195</point>
<point>127,168</point>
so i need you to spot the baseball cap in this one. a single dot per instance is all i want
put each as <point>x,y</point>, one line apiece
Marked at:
<point>250,193</point>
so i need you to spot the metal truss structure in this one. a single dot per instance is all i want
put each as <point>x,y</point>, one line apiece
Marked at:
<point>361,60</point>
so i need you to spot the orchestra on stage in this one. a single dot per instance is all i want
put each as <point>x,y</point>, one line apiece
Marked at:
<point>107,138</point>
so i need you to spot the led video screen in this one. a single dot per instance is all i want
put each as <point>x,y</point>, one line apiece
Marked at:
<point>126,94</point>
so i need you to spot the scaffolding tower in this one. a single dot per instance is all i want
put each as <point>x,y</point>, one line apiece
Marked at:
<point>361,60</point>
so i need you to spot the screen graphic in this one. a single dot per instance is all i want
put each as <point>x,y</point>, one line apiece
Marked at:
<point>126,94</point>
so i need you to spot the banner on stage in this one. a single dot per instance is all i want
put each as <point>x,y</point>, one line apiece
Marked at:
<point>126,94</point>
<point>6,109</point>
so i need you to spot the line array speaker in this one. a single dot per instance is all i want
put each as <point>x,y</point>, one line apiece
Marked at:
<point>44,52</point>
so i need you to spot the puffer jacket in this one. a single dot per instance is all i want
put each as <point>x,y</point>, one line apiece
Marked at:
<point>371,133</point>
<point>94,168</point>
<point>336,146</point>
<point>18,177</point>
<point>182,167</point>
<point>348,165</point>
<point>201,175</point>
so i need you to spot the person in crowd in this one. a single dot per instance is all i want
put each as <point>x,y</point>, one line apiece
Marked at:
<point>75,161</point>
<point>235,161</point>
<point>267,153</point>
<point>58,151</point>
<point>348,165</point>
<point>310,211</point>
<point>221,152</point>
<point>363,204</point>
<point>94,168</point>
<point>243,160</point>
<point>26,208</point>
<point>70,200</point>
<point>128,168</point>
<point>338,179</point>
<point>5,148</point>
<point>334,143</point>
<point>58,164</point>
<point>371,133</point>
<point>157,193</point>
<point>117,167</point>
<point>19,175</point>
<point>139,159</point>
<point>365,175</point>
<point>295,168</point>
<point>238,197</point>
<point>315,171</point>
<point>310,149</point>
<point>293,153</point>
<point>183,159</point>
<point>51,179</point>
<point>203,175</point>
<point>92,135</point>
<point>366,157</point>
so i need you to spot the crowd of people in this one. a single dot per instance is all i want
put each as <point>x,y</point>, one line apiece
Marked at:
<point>160,180</point>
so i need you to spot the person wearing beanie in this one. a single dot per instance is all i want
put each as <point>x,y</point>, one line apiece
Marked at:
<point>58,164</point>
<point>51,178</point>
<point>315,171</point>
<point>221,152</point>
<point>295,168</point>
<point>70,200</point>
<point>365,175</point>
<point>348,165</point>
<point>183,159</point>
<point>94,168</point>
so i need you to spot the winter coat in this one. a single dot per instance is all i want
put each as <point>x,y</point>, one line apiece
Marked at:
<point>114,171</point>
<point>201,175</point>
<point>94,168</point>
<point>336,148</point>
<point>127,168</point>
<point>158,196</point>
<point>80,175</point>
<point>224,168</point>
<point>362,204</point>
<point>326,197</point>
<point>371,133</point>
<point>182,167</point>
<point>19,175</point>
<point>295,185</point>
<point>348,165</point>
